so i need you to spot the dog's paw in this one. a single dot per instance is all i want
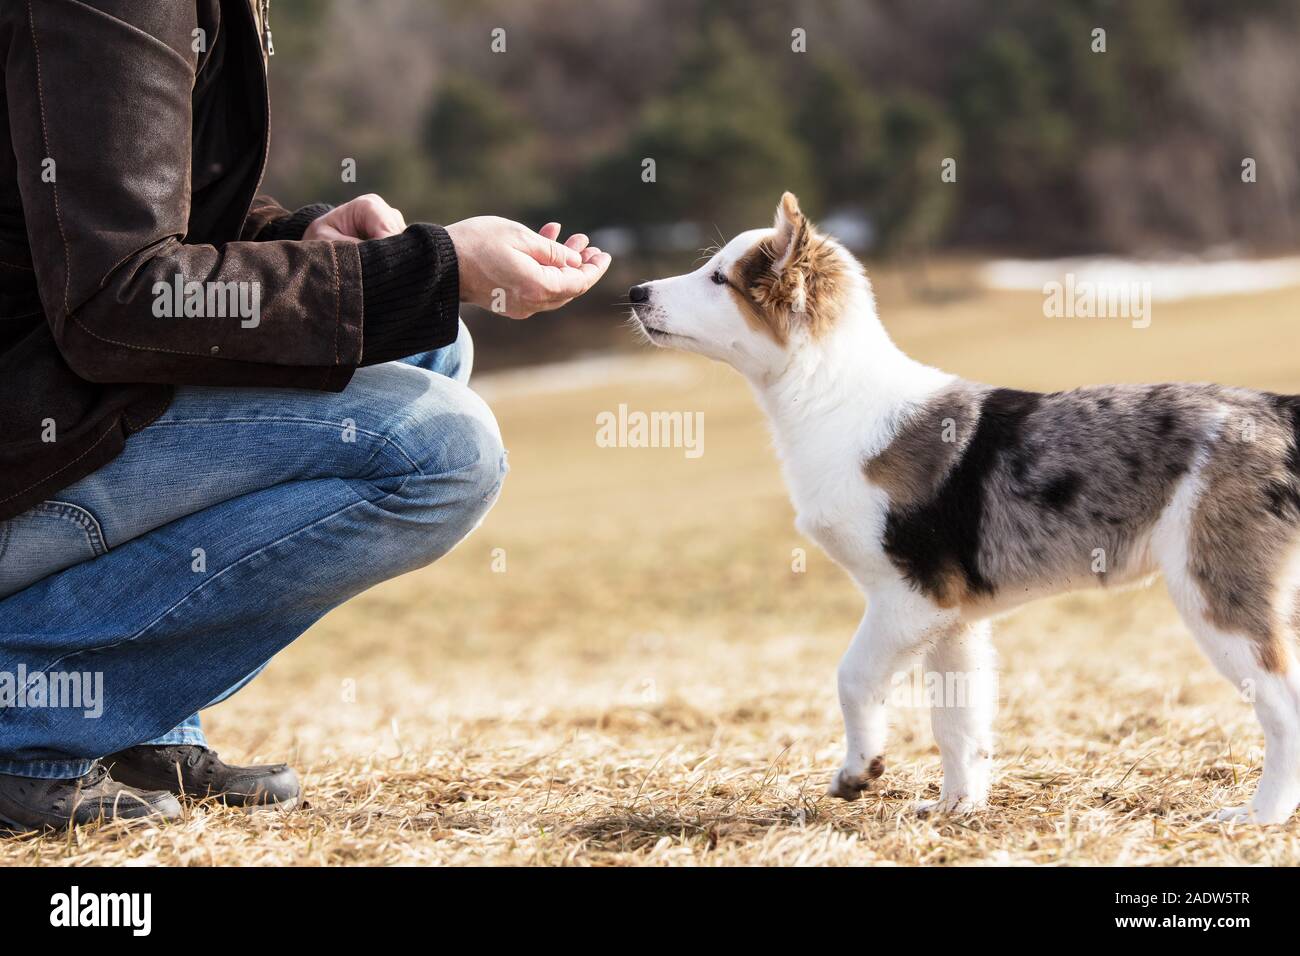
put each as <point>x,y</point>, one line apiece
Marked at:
<point>946,804</point>
<point>1249,814</point>
<point>1234,815</point>
<point>850,786</point>
<point>845,787</point>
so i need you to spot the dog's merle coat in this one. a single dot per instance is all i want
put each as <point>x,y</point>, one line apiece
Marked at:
<point>995,490</point>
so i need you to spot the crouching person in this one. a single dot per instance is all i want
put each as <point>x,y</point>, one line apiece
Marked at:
<point>219,419</point>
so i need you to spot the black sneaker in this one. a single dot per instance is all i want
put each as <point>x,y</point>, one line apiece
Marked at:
<point>189,770</point>
<point>32,803</point>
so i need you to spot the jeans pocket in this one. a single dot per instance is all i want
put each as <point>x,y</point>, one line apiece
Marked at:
<point>44,540</point>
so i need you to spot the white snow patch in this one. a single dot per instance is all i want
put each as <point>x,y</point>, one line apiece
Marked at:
<point>1168,281</point>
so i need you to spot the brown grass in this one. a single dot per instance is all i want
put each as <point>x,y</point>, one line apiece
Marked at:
<point>648,682</point>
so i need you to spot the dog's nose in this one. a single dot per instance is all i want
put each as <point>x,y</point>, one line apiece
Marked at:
<point>639,293</point>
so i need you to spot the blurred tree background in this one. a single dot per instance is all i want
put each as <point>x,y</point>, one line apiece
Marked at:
<point>452,108</point>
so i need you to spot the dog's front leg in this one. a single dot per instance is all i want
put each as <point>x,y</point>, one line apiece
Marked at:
<point>863,680</point>
<point>893,630</point>
<point>964,665</point>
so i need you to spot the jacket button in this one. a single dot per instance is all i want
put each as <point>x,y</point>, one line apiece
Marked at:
<point>215,350</point>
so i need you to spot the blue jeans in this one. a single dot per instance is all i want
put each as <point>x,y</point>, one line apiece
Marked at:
<point>221,533</point>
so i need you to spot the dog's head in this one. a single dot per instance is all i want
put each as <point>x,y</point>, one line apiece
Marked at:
<point>762,297</point>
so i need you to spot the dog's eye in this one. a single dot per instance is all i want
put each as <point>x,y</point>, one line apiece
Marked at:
<point>718,278</point>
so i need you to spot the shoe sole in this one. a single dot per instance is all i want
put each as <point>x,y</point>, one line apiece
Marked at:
<point>8,828</point>
<point>281,806</point>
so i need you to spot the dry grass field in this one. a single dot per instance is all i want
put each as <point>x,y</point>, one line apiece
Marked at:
<point>649,682</point>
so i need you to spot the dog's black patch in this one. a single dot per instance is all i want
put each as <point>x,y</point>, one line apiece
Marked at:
<point>930,540</point>
<point>1059,493</point>
<point>1019,467</point>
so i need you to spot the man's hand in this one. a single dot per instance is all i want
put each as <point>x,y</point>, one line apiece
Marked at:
<point>508,268</point>
<point>504,266</point>
<point>366,217</point>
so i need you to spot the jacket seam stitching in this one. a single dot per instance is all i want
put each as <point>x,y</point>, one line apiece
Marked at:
<point>45,141</point>
<point>42,480</point>
<point>127,345</point>
<point>334,260</point>
<point>150,419</point>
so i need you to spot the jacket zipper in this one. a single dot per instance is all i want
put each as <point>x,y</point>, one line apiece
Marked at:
<point>267,41</point>
<point>253,12</point>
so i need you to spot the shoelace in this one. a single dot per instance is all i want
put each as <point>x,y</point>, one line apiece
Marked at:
<point>92,777</point>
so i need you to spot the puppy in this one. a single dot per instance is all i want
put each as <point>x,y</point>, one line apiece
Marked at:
<point>950,502</point>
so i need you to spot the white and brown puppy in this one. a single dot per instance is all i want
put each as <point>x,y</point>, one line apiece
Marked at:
<point>950,502</point>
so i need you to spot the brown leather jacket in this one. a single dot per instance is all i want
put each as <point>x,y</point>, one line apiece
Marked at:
<point>135,142</point>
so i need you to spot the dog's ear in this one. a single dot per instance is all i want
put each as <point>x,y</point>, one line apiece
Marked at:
<point>793,232</point>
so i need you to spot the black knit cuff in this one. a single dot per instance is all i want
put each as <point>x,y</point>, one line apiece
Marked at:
<point>293,225</point>
<point>411,294</point>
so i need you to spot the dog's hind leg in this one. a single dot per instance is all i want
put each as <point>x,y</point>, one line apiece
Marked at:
<point>897,625</point>
<point>1253,646</point>
<point>963,663</point>
<point>1276,695</point>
